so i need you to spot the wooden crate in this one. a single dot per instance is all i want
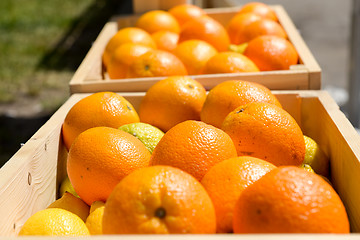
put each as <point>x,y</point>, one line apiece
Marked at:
<point>91,77</point>
<point>30,179</point>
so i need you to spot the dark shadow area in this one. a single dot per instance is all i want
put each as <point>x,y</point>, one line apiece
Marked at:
<point>69,52</point>
<point>16,131</point>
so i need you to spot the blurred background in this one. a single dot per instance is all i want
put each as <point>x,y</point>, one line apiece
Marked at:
<point>43,42</point>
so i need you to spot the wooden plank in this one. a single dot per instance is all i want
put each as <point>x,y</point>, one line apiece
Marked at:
<point>213,237</point>
<point>28,181</point>
<point>281,80</point>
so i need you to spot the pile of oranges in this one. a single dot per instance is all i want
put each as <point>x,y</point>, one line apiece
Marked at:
<point>228,162</point>
<point>185,40</point>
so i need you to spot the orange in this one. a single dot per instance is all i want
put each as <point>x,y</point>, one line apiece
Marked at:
<point>125,35</point>
<point>157,20</point>
<point>100,157</point>
<point>156,63</point>
<point>261,27</point>
<point>186,12</point>
<point>165,40</point>
<point>225,181</point>
<point>171,101</point>
<point>237,24</point>
<point>229,62</point>
<point>228,95</point>
<point>99,109</point>
<point>266,131</point>
<point>194,147</point>
<point>271,53</point>
<point>207,29</point>
<point>123,57</point>
<point>290,200</point>
<point>194,54</point>
<point>159,200</point>
<point>260,9</point>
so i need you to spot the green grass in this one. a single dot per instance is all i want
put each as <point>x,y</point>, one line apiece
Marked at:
<point>43,42</point>
<point>28,30</point>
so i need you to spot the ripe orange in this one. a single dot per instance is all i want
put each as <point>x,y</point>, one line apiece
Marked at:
<point>228,95</point>
<point>290,200</point>
<point>271,53</point>
<point>207,29</point>
<point>156,63</point>
<point>171,101</point>
<point>194,147</point>
<point>165,40</point>
<point>225,182</point>
<point>186,12</point>
<point>194,54</point>
<point>261,27</point>
<point>100,157</point>
<point>157,20</point>
<point>99,109</point>
<point>260,9</point>
<point>237,24</point>
<point>159,199</point>
<point>123,57</point>
<point>126,35</point>
<point>229,62</point>
<point>266,131</point>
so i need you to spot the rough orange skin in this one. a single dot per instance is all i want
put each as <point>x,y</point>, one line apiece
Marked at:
<point>290,200</point>
<point>126,35</point>
<point>229,62</point>
<point>98,109</point>
<point>260,9</point>
<point>225,182</point>
<point>271,53</point>
<point>123,57</point>
<point>100,157</point>
<point>158,20</point>
<point>195,54</point>
<point>207,29</point>
<point>156,63</point>
<point>237,25</point>
<point>228,95</point>
<point>194,147</point>
<point>186,12</point>
<point>165,40</point>
<point>171,101</point>
<point>266,131</point>
<point>159,200</point>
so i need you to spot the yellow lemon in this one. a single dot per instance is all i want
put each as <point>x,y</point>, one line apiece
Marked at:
<point>307,167</point>
<point>238,48</point>
<point>315,157</point>
<point>146,133</point>
<point>94,220</point>
<point>73,204</point>
<point>66,186</point>
<point>54,222</point>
